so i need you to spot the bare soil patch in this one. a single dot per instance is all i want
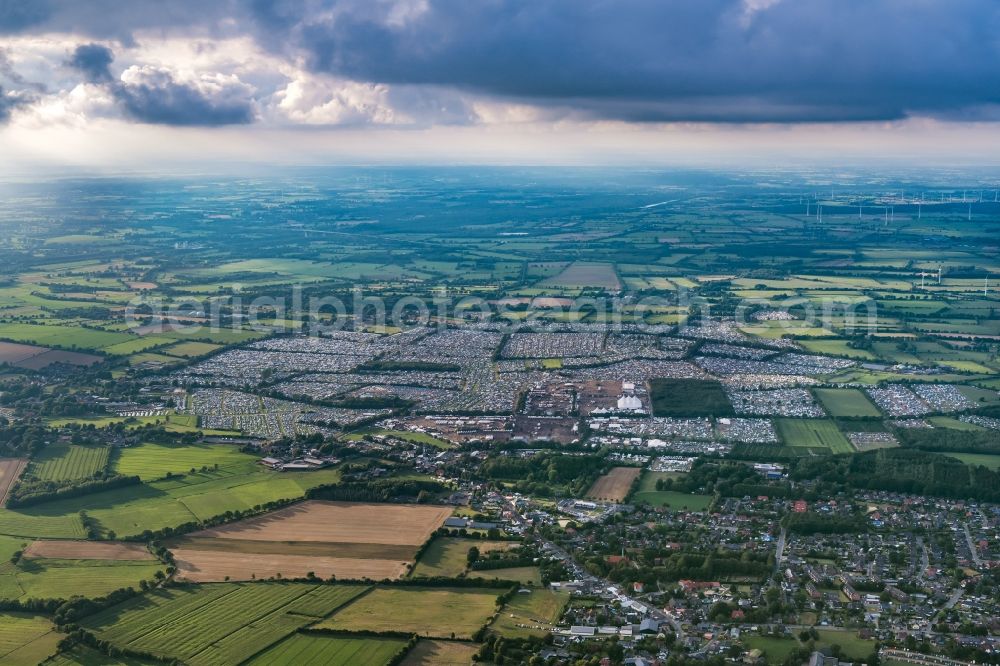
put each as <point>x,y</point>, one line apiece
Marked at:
<point>205,566</point>
<point>53,356</point>
<point>13,352</point>
<point>614,485</point>
<point>87,550</point>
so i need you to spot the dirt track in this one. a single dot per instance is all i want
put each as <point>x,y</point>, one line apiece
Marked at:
<point>10,470</point>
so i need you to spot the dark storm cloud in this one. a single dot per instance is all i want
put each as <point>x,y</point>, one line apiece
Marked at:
<point>94,61</point>
<point>649,60</point>
<point>116,19</point>
<point>635,60</point>
<point>158,99</point>
<point>18,15</point>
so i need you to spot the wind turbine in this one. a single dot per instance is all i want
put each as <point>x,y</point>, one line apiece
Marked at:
<point>939,273</point>
<point>922,276</point>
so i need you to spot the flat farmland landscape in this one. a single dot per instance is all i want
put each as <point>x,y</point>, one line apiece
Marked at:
<point>67,462</point>
<point>133,509</point>
<point>214,463</point>
<point>431,612</point>
<point>217,624</point>
<point>343,539</point>
<point>151,461</point>
<point>26,640</point>
<point>846,402</point>
<point>309,649</point>
<point>582,275</point>
<point>813,433</point>
<point>62,578</point>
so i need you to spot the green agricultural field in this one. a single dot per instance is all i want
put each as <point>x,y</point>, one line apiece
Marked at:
<point>541,608</point>
<point>153,461</point>
<point>953,424</point>
<point>775,650</point>
<point>136,345</point>
<point>59,579</point>
<point>131,510</point>
<point>8,546</point>
<point>773,330</point>
<point>223,336</point>
<point>68,462</point>
<point>523,575</point>
<point>689,397</point>
<point>191,349</point>
<point>980,395</point>
<point>405,435</point>
<point>812,433</point>
<point>74,239</point>
<point>966,366</point>
<point>837,348</point>
<point>984,459</point>
<point>153,359</point>
<point>36,521</point>
<point>63,337</point>
<point>447,556</point>
<point>26,640</point>
<point>433,612</point>
<point>326,650</point>
<point>222,623</point>
<point>673,499</point>
<point>842,403</point>
<point>648,480</point>
<point>852,647</point>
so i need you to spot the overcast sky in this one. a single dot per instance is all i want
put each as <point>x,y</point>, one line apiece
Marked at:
<point>150,83</point>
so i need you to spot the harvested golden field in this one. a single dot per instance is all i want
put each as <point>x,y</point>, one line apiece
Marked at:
<point>344,522</point>
<point>87,550</point>
<point>614,485</point>
<point>10,470</point>
<point>343,539</point>
<point>206,566</point>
